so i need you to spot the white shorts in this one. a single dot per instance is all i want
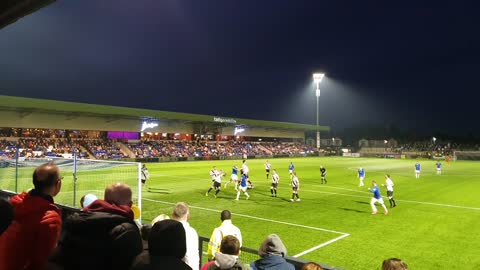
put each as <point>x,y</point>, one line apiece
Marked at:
<point>234,177</point>
<point>361,178</point>
<point>417,171</point>
<point>374,200</point>
<point>290,171</point>
<point>244,189</point>
<point>439,169</point>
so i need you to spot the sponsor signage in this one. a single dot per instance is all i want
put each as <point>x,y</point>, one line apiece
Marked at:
<point>224,120</point>
<point>146,125</point>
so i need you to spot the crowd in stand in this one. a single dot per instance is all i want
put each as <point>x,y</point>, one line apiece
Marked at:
<point>110,149</point>
<point>105,235</point>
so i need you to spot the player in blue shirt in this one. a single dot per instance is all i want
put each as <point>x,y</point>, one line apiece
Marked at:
<point>233,177</point>
<point>243,187</point>
<point>376,198</point>
<point>361,176</point>
<point>439,167</point>
<point>291,168</point>
<point>417,170</point>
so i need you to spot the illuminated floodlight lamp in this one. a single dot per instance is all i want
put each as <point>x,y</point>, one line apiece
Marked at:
<point>434,139</point>
<point>317,77</point>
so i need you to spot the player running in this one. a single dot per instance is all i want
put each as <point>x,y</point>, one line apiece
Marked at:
<point>245,170</point>
<point>323,175</point>
<point>361,176</point>
<point>233,177</point>
<point>376,198</point>
<point>295,186</point>
<point>243,187</point>
<point>267,168</point>
<point>216,181</point>
<point>275,180</point>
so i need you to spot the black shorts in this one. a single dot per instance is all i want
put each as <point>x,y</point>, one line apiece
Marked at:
<point>274,185</point>
<point>144,180</point>
<point>267,170</point>
<point>389,193</point>
<point>216,184</point>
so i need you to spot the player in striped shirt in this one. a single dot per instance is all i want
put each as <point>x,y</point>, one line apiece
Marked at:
<point>275,179</point>
<point>295,186</point>
<point>216,181</point>
<point>267,168</point>
<point>389,185</point>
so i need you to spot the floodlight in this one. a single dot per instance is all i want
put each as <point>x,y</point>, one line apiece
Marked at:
<point>317,77</point>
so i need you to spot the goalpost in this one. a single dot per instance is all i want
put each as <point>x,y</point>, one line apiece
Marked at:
<point>80,177</point>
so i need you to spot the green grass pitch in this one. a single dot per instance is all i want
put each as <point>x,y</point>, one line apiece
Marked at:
<point>434,225</point>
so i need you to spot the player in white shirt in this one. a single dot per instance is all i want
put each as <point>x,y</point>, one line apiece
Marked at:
<point>245,170</point>
<point>267,168</point>
<point>389,185</point>
<point>275,180</point>
<point>295,186</point>
<point>216,181</point>
<point>145,175</point>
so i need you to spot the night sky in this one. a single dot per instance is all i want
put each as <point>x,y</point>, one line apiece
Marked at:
<point>412,64</point>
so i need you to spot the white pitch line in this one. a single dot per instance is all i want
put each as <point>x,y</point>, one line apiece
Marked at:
<point>321,245</point>
<point>358,196</point>
<point>253,217</point>
<point>427,203</point>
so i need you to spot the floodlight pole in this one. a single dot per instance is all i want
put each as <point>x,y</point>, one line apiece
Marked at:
<point>317,78</point>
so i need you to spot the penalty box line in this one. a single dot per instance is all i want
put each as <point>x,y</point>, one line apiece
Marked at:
<point>342,234</point>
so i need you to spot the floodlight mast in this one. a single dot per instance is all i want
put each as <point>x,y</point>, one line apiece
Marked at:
<point>317,79</point>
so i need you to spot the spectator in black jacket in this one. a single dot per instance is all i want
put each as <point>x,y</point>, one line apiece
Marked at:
<point>102,236</point>
<point>6,212</point>
<point>167,246</point>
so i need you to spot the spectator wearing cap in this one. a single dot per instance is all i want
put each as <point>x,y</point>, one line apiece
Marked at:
<point>35,229</point>
<point>272,253</point>
<point>7,214</point>
<point>166,248</point>
<point>226,228</point>
<point>102,236</point>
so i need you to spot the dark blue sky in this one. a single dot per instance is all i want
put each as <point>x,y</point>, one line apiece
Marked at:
<point>411,64</point>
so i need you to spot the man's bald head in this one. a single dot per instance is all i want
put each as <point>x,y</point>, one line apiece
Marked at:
<point>46,178</point>
<point>119,194</point>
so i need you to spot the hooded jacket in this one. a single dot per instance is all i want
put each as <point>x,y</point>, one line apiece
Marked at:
<point>226,261</point>
<point>103,236</point>
<point>272,252</point>
<point>33,234</point>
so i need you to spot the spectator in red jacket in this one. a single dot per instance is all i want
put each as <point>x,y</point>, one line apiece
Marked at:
<point>33,234</point>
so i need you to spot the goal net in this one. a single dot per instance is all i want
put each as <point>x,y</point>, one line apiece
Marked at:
<point>80,177</point>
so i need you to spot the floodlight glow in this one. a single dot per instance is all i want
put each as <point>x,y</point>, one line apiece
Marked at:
<point>317,77</point>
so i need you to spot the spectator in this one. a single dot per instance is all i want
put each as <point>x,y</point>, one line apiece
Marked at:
<point>272,253</point>
<point>35,229</point>
<point>7,214</point>
<point>227,257</point>
<point>103,236</point>
<point>181,213</point>
<point>312,266</point>
<point>160,218</point>
<point>394,264</point>
<point>87,199</point>
<point>167,246</point>
<point>227,228</point>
